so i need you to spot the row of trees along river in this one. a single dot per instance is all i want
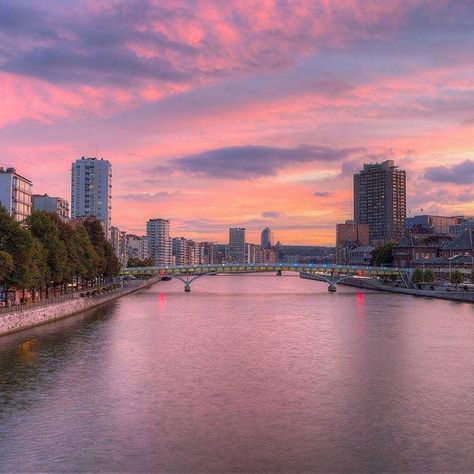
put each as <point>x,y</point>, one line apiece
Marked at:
<point>43,256</point>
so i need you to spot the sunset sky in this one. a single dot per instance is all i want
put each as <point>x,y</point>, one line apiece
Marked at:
<point>247,113</point>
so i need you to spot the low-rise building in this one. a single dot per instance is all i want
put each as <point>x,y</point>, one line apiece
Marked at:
<point>360,255</point>
<point>52,204</point>
<point>418,246</point>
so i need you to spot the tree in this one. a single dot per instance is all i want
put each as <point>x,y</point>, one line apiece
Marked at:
<point>19,243</point>
<point>428,275</point>
<point>417,276</point>
<point>472,276</point>
<point>382,256</point>
<point>136,262</point>
<point>109,264</point>
<point>43,226</point>
<point>456,277</point>
<point>86,263</point>
<point>6,266</point>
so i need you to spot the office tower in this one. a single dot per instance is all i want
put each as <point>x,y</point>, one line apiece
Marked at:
<point>380,200</point>
<point>158,233</point>
<point>267,240</point>
<point>91,190</point>
<point>52,204</point>
<point>15,194</point>
<point>236,249</point>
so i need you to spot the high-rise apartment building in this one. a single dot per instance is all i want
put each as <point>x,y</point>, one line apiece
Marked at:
<point>15,194</point>
<point>158,234</point>
<point>267,238</point>
<point>52,204</point>
<point>180,250</point>
<point>380,200</point>
<point>91,190</point>
<point>236,249</point>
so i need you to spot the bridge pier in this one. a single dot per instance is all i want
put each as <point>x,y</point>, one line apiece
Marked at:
<point>187,287</point>
<point>278,273</point>
<point>332,288</point>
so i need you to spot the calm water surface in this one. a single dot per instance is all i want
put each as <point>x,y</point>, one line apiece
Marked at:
<point>246,373</point>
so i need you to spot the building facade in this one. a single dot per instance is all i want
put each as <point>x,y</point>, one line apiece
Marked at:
<point>427,224</point>
<point>136,246</point>
<point>15,194</point>
<point>52,204</point>
<point>180,250</point>
<point>380,200</point>
<point>158,234</point>
<point>267,238</point>
<point>91,190</point>
<point>236,249</point>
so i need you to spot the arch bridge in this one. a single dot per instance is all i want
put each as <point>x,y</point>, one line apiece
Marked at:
<point>329,273</point>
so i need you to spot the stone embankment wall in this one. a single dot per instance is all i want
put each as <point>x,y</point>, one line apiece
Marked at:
<point>370,284</point>
<point>20,319</point>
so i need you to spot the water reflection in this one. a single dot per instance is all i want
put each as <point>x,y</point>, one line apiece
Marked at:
<point>244,374</point>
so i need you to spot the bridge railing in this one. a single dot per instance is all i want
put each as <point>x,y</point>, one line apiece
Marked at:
<point>262,267</point>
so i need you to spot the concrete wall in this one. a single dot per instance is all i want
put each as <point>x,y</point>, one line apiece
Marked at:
<point>464,296</point>
<point>23,319</point>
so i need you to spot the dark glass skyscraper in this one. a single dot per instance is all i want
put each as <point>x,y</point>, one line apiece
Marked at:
<point>380,200</point>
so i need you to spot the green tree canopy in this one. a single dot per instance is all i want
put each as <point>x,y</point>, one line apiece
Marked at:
<point>6,266</point>
<point>382,256</point>
<point>428,275</point>
<point>43,226</point>
<point>417,276</point>
<point>109,264</point>
<point>456,277</point>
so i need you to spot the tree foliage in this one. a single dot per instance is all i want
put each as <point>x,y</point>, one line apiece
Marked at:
<point>428,275</point>
<point>6,266</point>
<point>456,277</point>
<point>382,256</point>
<point>44,252</point>
<point>417,276</point>
<point>136,262</point>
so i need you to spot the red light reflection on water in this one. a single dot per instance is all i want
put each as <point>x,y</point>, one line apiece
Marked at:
<point>360,299</point>
<point>162,301</point>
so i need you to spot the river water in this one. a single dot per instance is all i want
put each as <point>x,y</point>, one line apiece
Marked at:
<point>245,373</point>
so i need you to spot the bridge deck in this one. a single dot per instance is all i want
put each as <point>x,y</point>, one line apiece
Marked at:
<point>326,269</point>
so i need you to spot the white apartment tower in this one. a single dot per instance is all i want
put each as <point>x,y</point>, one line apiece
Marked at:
<point>15,194</point>
<point>91,190</point>
<point>158,234</point>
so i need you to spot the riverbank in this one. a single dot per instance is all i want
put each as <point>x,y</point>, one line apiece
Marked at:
<point>371,284</point>
<point>20,319</point>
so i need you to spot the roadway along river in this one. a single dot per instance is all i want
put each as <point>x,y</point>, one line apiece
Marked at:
<point>245,373</point>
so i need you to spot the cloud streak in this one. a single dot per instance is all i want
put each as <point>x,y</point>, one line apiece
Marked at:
<point>461,173</point>
<point>254,161</point>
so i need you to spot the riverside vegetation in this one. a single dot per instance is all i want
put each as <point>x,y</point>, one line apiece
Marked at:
<point>44,255</point>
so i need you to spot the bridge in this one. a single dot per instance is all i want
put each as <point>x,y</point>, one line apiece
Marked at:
<point>329,273</point>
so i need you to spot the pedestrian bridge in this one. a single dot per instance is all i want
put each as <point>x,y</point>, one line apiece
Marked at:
<point>329,273</point>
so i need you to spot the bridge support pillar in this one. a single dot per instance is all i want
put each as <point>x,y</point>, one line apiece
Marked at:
<point>278,273</point>
<point>187,287</point>
<point>332,288</point>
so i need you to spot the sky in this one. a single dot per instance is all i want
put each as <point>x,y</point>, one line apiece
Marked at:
<point>242,113</point>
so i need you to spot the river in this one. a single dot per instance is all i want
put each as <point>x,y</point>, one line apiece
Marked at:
<point>245,373</point>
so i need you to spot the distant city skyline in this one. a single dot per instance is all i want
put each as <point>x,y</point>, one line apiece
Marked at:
<point>207,128</point>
